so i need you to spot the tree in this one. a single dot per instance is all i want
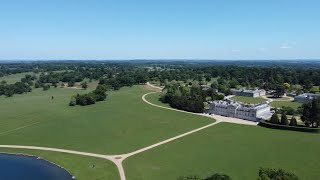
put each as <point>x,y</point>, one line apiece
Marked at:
<point>54,85</point>
<point>280,90</point>
<point>275,174</point>
<point>284,119</point>
<point>46,87</point>
<point>3,82</point>
<point>315,112</point>
<point>275,119</point>
<point>289,110</point>
<point>100,93</point>
<point>218,177</point>
<point>73,101</point>
<point>311,113</point>
<point>191,177</point>
<point>70,83</point>
<point>84,85</point>
<point>293,121</point>
<point>286,86</point>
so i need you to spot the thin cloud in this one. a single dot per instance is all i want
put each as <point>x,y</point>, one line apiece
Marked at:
<point>285,46</point>
<point>262,49</point>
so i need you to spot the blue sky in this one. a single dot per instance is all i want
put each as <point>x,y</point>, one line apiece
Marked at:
<point>159,29</point>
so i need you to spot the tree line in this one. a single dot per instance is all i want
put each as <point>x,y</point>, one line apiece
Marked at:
<point>263,174</point>
<point>127,73</point>
<point>188,97</point>
<point>310,115</point>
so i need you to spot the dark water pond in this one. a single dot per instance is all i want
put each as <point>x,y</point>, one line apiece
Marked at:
<point>18,167</point>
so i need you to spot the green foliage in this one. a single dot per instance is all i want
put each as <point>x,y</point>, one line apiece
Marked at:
<point>275,174</point>
<point>190,177</point>
<point>274,119</point>
<point>284,119</point>
<point>46,87</point>
<point>184,97</point>
<point>73,101</point>
<point>267,124</point>
<point>288,110</point>
<point>293,121</point>
<point>84,85</point>
<point>218,177</point>
<point>71,83</point>
<point>17,88</point>
<point>280,90</point>
<point>286,86</point>
<point>311,113</point>
<point>99,94</point>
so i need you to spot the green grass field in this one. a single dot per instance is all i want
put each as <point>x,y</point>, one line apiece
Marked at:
<point>279,104</point>
<point>236,150</point>
<point>124,123</point>
<point>250,100</point>
<point>79,166</point>
<point>121,124</point>
<point>154,98</point>
<point>13,78</point>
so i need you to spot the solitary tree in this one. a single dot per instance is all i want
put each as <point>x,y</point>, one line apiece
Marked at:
<point>84,85</point>
<point>284,119</point>
<point>280,90</point>
<point>275,119</point>
<point>311,113</point>
<point>293,121</point>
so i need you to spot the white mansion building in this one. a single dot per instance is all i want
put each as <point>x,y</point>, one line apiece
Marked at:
<point>248,93</point>
<point>250,112</point>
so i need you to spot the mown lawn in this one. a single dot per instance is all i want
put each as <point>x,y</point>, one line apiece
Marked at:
<point>154,98</point>
<point>280,104</point>
<point>250,100</point>
<point>82,167</point>
<point>121,124</point>
<point>236,150</point>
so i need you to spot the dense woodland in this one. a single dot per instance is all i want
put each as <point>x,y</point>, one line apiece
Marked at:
<point>135,72</point>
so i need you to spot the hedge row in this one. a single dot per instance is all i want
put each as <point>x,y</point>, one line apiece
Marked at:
<point>266,124</point>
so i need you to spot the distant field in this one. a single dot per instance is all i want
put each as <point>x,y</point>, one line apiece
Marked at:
<point>236,150</point>
<point>250,100</point>
<point>120,124</point>
<point>13,78</point>
<point>279,104</point>
<point>79,166</point>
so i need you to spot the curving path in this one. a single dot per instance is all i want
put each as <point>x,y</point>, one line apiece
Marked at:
<point>216,117</point>
<point>118,159</point>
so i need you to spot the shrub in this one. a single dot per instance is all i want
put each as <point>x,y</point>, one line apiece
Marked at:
<point>87,99</point>
<point>275,119</point>
<point>218,177</point>
<point>46,87</point>
<point>284,119</point>
<point>73,101</point>
<point>191,177</point>
<point>293,122</point>
<point>275,174</point>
